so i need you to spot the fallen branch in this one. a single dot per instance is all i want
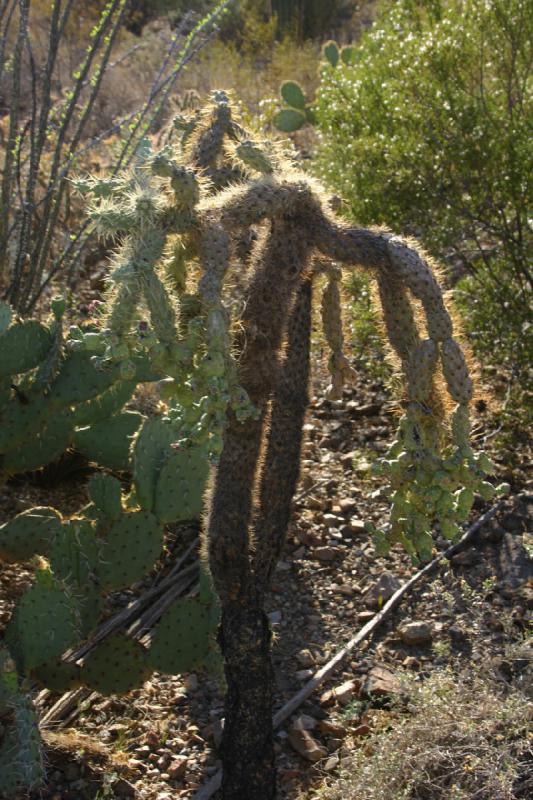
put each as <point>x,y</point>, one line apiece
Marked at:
<point>209,789</point>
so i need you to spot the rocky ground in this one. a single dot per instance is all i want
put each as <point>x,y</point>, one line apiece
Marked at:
<point>160,742</point>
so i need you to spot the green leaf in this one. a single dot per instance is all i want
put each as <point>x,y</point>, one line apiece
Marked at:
<point>292,93</point>
<point>289,120</point>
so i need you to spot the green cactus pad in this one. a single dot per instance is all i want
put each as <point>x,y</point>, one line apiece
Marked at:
<point>58,676</point>
<point>104,405</point>
<point>292,93</point>
<point>181,484</point>
<point>150,451</point>
<point>330,51</point>
<point>45,623</point>
<point>116,666</point>
<point>22,420</point>
<point>43,448</point>
<point>348,54</point>
<point>29,533</point>
<point>289,120</point>
<point>180,641</point>
<point>105,492</point>
<point>23,346</point>
<point>79,380</point>
<point>108,442</point>
<point>132,546</point>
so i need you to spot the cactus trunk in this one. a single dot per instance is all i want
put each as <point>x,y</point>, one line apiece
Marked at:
<point>247,742</point>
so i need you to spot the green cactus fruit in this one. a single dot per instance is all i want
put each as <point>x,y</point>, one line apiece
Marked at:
<point>6,316</point>
<point>348,54</point>
<point>330,51</point>
<point>43,448</point>
<point>150,451</point>
<point>289,120</point>
<point>108,442</point>
<point>44,624</point>
<point>293,95</point>
<point>181,485</point>
<point>116,666</point>
<point>29,533</point>
<point>23,346</point>
<point>130,550</point>
<point>105,492</point>
<point>21,761</point>
<point>58,676</point>
<point>180,640</point>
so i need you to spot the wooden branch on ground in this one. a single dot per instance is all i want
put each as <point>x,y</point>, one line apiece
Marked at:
<point>209,789</point>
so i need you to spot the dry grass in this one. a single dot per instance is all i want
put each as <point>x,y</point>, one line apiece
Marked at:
<point>463,738</point>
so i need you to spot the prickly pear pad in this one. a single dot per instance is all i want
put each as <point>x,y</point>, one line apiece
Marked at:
<point>150,451</point>
<point>29,533</point>
<point>108,442</point>
<point>24,346</point>
<point>116,666</point>
<point>180,641</point>
<point>132,546</point>
<point>45,623</point>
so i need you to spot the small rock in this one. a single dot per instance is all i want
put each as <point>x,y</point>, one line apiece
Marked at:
<point>415,633</point>
<point>329,728</point>
<point>411,662</point>
<point>357,526</point>
<point>361,730</point>
<point>382,590</point>
<point>305,658</point>
<point>347,504</point>
<point>304,723</point>
<point>340,694</point>
<point>275,617</point>
<point>381,681</point>
<point>326,553</point>
<point>124,788</point>
<point>178,767</point>
<point>306,745</point>
<point>331,763</point>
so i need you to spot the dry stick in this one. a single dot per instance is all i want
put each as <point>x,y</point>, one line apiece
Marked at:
<point>324,672</point>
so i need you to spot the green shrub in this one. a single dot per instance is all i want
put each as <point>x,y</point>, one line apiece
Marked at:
<point>428,131</point>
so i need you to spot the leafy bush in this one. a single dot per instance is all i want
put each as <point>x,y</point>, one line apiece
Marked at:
<point>428,131</point>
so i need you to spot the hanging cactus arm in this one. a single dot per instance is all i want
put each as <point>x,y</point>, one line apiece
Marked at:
<point>281,467</point>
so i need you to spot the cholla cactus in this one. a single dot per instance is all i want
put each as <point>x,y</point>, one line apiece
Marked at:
<point>235,388</point>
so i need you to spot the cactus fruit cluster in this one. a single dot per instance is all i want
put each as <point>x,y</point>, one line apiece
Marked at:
<point>213,211</point>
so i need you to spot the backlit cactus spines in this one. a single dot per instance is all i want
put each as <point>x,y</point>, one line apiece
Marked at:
<point>455,371</point>
<point>421,370</point>
<point>339,366</point>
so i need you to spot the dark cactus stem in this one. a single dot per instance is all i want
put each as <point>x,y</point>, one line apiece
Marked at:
<point>248,741</point>
<point>247,744</point>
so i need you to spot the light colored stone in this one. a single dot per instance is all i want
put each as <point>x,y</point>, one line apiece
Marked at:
<point>178,767</point>
<point>304,723</point>
<point>306,746</point>
<point>414,633</point>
